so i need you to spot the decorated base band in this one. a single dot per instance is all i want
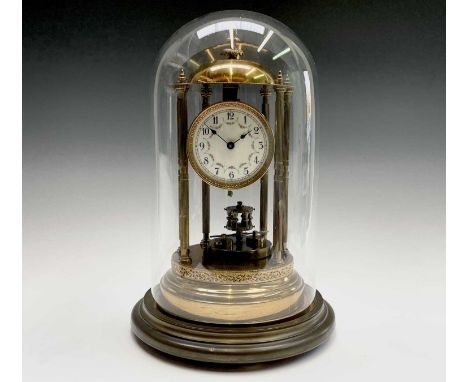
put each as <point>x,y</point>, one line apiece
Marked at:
<point>198,272</point>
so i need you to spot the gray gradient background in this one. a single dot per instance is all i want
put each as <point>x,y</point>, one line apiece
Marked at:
<point>88,184</point>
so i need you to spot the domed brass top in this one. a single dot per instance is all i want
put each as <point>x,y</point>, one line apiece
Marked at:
<point>233,71</point>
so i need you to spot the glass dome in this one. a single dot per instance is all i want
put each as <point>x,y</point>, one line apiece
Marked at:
<point>235,134</point>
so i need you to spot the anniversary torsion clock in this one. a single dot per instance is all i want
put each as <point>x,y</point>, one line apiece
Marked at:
<point>233,242</point>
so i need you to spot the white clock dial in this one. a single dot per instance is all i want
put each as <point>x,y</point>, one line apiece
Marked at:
<point>230,145</point>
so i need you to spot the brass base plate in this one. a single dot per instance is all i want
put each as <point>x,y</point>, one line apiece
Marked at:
<point>232,344</point>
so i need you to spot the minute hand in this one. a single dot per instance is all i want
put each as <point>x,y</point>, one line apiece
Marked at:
<point>216,133</point>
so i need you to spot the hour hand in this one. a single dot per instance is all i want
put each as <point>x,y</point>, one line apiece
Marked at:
<point>243,136</point>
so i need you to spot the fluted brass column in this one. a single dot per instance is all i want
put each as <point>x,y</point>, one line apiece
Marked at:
<point>205,93</point>
<point>181,88</point>
<point>278,192</point>
<point>265,91</point>
<point>287,126</point>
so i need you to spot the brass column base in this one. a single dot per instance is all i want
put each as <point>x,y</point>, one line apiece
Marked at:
<point>232,344</point>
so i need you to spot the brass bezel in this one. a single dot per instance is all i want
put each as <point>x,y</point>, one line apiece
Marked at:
<point>256,175</point>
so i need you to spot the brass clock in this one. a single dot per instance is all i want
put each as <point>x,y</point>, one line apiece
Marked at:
<point>234,221</point>
<point>230,145</point>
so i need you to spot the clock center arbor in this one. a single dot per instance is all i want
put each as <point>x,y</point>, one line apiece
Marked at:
<point>235,148</point>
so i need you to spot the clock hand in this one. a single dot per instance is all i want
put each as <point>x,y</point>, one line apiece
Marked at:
<point>216,133</point>
<point>230,145</point>
<point>247,133</point>
<point>243,136</point>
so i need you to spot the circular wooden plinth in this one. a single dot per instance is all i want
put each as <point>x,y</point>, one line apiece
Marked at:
<point>232,344</point>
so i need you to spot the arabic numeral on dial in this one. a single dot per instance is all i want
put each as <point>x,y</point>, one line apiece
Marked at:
<point>260,145</point>
<point>217,170</point>
<point>206,160</point>
<point>256,129</point>
<point>256,159</point>
<point>246,171</point>
<point>230,115</point>
<point>231,175</point>
<point>245,119</point>
<point>206,131</point>
<point>201,145</point>
<point>215,119</point>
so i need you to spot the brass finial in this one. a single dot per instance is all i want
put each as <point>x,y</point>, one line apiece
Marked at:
<point>280,82</point>
<point>182,78</point>
<point>181,85</point>
<point>233,54</point>
<point>287,83</point>
<point>279,78</point>
<point>265,91</point>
